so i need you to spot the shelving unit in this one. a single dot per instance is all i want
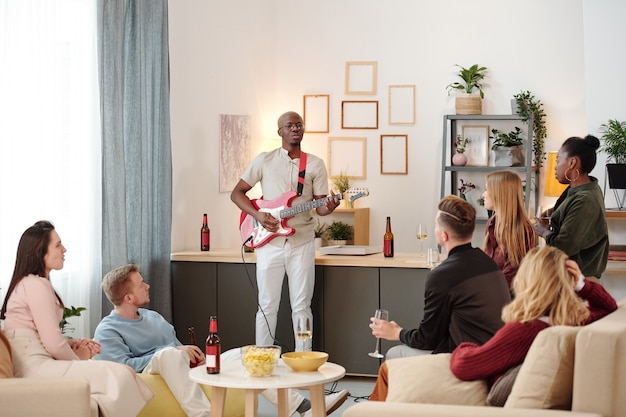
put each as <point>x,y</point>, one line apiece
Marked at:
<point>361,219</point>
<point>450,173</point>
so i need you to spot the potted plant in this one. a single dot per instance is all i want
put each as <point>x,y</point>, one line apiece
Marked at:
<point>527,106</point>
<point>472,79</point>
<point>508,147</point>
<point>614,138</point>
<point>319,230</point>
<point>459,158</point>
<point>67,313</point>
<point>342,184</point>
<point>339,233</point>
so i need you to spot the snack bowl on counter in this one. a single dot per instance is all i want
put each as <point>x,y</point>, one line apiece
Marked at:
<point>305,361</point>
<point>260,360</point>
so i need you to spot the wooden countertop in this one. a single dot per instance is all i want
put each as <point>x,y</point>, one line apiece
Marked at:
<point>400,260</point>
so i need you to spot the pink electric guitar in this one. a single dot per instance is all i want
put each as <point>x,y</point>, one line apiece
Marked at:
<point>254,235</point>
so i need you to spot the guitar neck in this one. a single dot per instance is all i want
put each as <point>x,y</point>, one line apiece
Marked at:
<point>309,205</point>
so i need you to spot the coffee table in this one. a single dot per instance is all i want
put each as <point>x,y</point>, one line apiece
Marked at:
<point>233,375</point>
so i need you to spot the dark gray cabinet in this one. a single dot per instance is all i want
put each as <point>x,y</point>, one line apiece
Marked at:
<point>345,298</point>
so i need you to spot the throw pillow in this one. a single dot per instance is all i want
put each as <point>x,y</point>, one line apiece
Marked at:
<point>6,359</point>
<point>546,377</point>
<point>501,390</point>
<point>428,379</point>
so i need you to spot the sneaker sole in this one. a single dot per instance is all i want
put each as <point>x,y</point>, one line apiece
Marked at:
<point>342,399</point>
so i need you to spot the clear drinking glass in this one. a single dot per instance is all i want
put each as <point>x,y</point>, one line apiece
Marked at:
<point>421,234</point>
<point>382,315</point>
<point>304,334</point>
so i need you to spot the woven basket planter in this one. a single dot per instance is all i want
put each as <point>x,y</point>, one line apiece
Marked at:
<point>471,104</point>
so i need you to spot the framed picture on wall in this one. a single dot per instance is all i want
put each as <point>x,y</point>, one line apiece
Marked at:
<point>393,154</point>
<point>348,156</point>
<point>361,77</point>
<point>316,112</point>
<point>359,114</point>
<point>402,104</point>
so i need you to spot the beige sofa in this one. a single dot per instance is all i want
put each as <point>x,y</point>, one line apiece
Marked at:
<point>569,371</point>
<point>62,397</point>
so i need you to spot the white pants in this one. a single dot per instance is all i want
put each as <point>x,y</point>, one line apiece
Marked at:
<point>272,264</point>
<point>173,366</point>
<point>404,351</point>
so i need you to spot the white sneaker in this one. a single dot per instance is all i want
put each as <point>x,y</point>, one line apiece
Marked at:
<point>333,402</point>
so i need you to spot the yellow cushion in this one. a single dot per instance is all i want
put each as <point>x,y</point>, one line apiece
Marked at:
<point>546,378</point>
<point>428,379</point>
<point>164,404</point>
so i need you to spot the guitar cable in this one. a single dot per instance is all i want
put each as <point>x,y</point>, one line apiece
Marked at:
<point>255,289</point>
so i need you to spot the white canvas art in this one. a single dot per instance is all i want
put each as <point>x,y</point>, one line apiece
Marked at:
<point>234,149</point>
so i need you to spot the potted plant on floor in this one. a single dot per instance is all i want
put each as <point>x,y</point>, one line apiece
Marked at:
<point>527,106</point>
<point>472,79</point>
<point>614,138</point>
<point>508,148</point>
<point>339,233</point>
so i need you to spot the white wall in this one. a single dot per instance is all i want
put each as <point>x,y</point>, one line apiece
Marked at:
<point>259,57</point>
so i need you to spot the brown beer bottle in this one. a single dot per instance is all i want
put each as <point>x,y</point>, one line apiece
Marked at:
<point>205,234</point>
<point>213,348</point>
<point>388,240</point>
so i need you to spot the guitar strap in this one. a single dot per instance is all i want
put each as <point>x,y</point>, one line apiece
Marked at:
<point>301,172</point>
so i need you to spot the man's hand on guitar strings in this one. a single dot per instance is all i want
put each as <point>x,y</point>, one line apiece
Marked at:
<point>268,221</point>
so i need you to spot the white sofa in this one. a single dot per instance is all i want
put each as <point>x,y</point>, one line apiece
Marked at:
<point>579,370</point>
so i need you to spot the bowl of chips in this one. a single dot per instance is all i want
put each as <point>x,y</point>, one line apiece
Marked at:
<point>305,361</point>
<point>260,360</point>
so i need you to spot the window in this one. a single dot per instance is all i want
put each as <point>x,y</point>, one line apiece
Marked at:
<point>50,140</point>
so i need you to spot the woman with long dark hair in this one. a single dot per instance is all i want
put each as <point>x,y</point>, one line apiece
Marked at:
<point>32,310</point>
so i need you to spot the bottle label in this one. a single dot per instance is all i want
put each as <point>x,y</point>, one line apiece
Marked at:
<point>205,239</point>
<point>388,247</point>
<point>211,361</point>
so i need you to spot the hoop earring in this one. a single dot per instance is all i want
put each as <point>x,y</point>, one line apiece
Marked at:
<point>577,175</point>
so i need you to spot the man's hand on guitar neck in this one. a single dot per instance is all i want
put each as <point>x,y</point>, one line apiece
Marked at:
<point>269,222</point>
<point>331,204</point>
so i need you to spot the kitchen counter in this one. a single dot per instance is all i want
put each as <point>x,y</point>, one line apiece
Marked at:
<point>377,260</point>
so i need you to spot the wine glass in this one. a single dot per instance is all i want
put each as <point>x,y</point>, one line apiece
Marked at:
<point>303,334</point>
<point>421,234</point>
<point>382,315</point>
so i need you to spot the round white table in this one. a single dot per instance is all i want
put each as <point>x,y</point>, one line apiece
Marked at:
<point>233,375</point>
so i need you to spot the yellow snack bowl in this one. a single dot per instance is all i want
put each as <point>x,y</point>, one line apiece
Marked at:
<point>305,361</point>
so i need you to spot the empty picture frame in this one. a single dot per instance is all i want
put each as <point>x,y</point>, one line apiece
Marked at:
<point>347,155</point>
<point>477,149</point>
<point>359,114</point>
<point>316,112</point>
<point>361,77</point>
<point>394,154</point>
<point>402,104</point>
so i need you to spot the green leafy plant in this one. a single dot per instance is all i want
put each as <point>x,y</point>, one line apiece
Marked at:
<point>67,313</point>
<point>614,137</point>
<point>461,143</point>
<point>319,229</point>
<point>342,182</point>
<point>472,80</point>
<point>513,138</point>
<point>528,105</point>
<point>339,231</point>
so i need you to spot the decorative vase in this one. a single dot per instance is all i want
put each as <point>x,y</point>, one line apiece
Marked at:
<point>332,242</point>
<point>468,104</point>
<point>509,156</point>
<point>459,159</point>
<point>318,243</point>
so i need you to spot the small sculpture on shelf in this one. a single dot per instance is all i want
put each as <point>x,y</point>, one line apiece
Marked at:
<point>459,158</point>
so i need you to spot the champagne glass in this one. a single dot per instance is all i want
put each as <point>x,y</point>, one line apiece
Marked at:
<point>382,315</point>
<point>304,334</point>
<point>421,234</point>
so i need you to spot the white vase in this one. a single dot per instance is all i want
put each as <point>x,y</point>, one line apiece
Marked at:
<point>318,243</point>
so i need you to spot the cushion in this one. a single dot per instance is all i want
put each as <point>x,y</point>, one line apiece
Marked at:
<point>501,390</point>
<point>164,403</point>
<point>428,379</point>
<point>6,359</point>
<point>546,377</point>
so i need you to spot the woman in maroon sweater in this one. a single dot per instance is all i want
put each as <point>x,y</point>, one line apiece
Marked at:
<point>549,290</point>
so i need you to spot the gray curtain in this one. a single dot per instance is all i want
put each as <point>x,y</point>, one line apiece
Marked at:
<point>136,154</point>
